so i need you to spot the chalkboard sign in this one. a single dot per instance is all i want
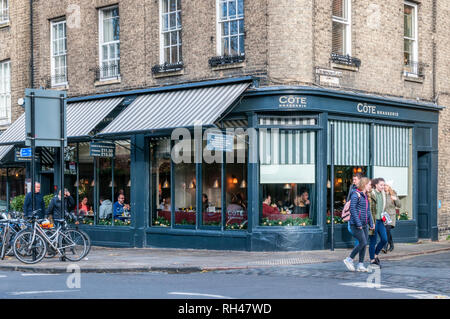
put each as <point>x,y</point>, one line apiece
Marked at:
<point>102,149</point>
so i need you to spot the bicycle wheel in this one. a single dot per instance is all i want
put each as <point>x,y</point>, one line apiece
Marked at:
<point>88,241</point>
<point>28,251</point>
<point>73,244</point>
<point>5,242</point>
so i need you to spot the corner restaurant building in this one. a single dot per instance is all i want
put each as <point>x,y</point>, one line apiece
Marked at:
<point>220,205</point>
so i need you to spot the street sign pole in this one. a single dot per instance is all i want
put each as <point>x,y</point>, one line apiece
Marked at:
<point>33,149</point>
<point>63,206</point>
<point>332,185</point>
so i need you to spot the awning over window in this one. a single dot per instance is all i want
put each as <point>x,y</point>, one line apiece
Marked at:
<point>82,118</point>
<point>173,109</point>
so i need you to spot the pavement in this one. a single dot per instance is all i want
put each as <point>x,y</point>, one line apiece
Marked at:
<point>116,260</point>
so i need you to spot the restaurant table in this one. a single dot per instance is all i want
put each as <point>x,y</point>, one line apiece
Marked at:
<point>208,217</point>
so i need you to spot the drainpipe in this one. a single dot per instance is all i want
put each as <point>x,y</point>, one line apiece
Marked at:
<point>31,46</point>
<point>435,97</point>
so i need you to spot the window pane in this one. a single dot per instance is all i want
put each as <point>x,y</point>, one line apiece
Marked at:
<point>240,7</point>
<point>167,54</point>
<point>174,37</point>
<point>122,211</point>
<point>179,19</point>
<point>173,5</point>
<point>165,21</point>
<point>116,29</point>
<point>234,46</point>
<point>232,9</point>
<point>86,184</point>
<point>241,26</point>
<point>173,20</point>
<point>225,28</point>
<point>185,188</point>
<point>409,21</point>
<point>165,6</point>
<point>161,182</point>
<point>338,38</point>
<point>224,12</point>
<point>241,45</point>
<point>339,8</point>
<point>226,46</point>
<point>166,39</point>
<point>287,177</point>
<point>174,54</point>
<point>234,27</point>
<point>107,31</point>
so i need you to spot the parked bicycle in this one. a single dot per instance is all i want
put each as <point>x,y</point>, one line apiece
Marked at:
<point>9,227</point>
<point>31,244</point>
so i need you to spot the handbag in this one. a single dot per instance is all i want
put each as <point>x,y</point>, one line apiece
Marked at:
<point>386,218</point>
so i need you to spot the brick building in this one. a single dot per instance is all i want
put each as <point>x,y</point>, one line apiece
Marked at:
<point>376,53</point>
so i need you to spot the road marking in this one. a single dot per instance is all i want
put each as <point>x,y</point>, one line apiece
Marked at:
<point>3,276</point>
<point>429,296</point>
<point>18,293</point>
<point>29,275</point>
<point>362,284</point>
<point>402,291</point>
<point>198,294</point>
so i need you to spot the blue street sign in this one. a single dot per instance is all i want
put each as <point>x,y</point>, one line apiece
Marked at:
<point>219,142</point>
<point>25,152</point>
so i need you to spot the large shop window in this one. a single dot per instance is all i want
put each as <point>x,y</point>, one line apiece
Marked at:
<point>392,161</point>
<point>351,155</point>
<point>16,179</point>
<point>287,177</point>
<point>104,186</point>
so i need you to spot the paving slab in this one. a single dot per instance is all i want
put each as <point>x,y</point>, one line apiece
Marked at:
<point>111,260</point>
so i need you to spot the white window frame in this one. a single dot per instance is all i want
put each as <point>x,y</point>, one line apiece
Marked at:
<point>178,28</point>
<point>101,43</point>
<point>5,94</point>
<point>219,25</point>
<point>348,26</point>
<point>54,82</point>
<point>415,39</point>
<point>4,11</point>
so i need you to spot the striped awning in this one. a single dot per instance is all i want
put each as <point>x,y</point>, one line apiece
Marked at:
<point>173,109</point>
<point>392,145</point>
<point>82,118</point>
<point>351,143</point>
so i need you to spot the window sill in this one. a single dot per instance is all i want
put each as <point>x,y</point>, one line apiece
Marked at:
<point>60,87</point>
<point>228,66</point>
<point>108,82</point>
<point>413,78</point>
<point>344,67</point>
<point>4,25</point>
<point>168,73</point>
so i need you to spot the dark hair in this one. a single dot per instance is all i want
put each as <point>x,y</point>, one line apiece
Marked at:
<point>102,198</point>
<point>375,181</point>
<point>266,196</point>
<point>358,175</point>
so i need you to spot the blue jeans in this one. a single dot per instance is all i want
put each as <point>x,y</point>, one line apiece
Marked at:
<point>351,233</point>
<point>380,230</point>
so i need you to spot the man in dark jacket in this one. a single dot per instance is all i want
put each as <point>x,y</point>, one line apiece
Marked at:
<point>54,208</point>
<point>38,202</point>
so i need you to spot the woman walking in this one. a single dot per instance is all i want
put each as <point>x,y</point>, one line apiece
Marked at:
<point>360,218</point>
<point>392,203</point>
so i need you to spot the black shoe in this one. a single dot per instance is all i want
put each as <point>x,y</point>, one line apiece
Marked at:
<point>384,250</point>
<point>391,247</point>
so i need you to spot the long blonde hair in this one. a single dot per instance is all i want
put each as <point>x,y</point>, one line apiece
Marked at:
<point>362,183</point>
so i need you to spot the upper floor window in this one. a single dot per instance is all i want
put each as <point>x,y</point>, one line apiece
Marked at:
<point>58,52</point>
<point>5,90</point>
<point>4,11</point>
<point>109,31</point>
<point>170,11</point>
<point>410,38</point>
<point>341,33</point>
<point>230,30</point>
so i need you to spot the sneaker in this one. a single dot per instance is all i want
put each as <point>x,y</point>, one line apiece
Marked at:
<point>361,268</point>
<point>349,263</point>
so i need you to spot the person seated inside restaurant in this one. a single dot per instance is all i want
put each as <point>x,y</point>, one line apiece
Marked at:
<point>205,202</point>
<point>106,207</point>
<point>236,204</point>
<point>83,207</point>
<point>268,208</point>
<point>165,205</point>
<point>302,203</point>
<point>120,207</point>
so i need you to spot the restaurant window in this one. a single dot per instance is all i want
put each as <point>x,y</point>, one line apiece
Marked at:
<point>211,185</point>
<point>230,28</point>
<point>393,162</point>
<point>16,178</point>
<point>109,30</point>
<point>4,11</point>
<point>58,52</point>
<point>185,183</point>
<point>171,44</point>
<point>161,182</point>
<point>410,39</point>
<point>236,217</point>
<point>5,91</point>
<point>287,176</point>
<point>341,29</point>
<point>351,156</point>
<point>85,207</point>
<point>70,170</point>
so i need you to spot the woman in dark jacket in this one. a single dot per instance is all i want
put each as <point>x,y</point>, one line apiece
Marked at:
<point>54,208</point>
<point>360,217</point>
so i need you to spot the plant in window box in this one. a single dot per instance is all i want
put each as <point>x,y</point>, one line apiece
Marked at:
<point>337,220</point>
<point>403,216</point>
<point>161,221</point>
